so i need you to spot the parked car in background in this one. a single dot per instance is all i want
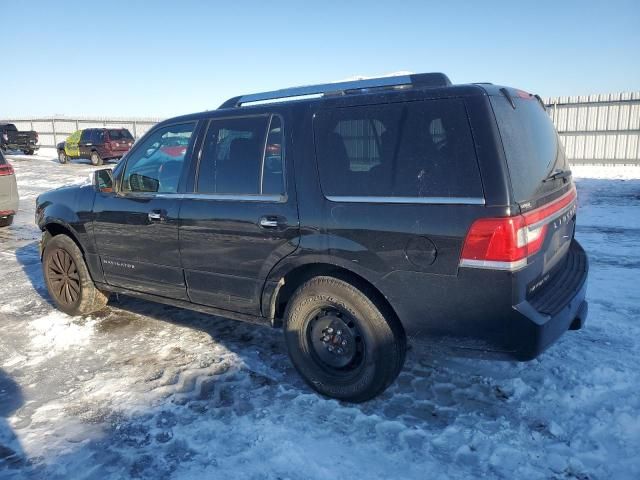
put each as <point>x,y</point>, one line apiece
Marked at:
<point>13,139</point>
<point>96,145</point>
<point>359,217</point>
<point>8,192</point>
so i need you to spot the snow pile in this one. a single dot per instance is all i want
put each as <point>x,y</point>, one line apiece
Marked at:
<point>57,331</point>
<point>609,172</point>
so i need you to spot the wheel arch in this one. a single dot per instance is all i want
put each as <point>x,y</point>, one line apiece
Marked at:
<point>286,284</point>
<point>52,229</point>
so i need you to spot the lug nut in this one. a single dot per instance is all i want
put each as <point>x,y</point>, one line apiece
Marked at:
<point>339,332</point>
<point>330,348</point>
<point>329,330</point>
<point>340,350</point>
<point>344,342</point>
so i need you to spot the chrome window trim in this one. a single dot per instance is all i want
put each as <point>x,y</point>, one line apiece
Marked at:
<point>408,200</point>
<point>223,196</point>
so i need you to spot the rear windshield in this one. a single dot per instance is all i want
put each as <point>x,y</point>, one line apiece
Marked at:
<point>531,146</point>
<point>120,134</point>
<point>414,149</point>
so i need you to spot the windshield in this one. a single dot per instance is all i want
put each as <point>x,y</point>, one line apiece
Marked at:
<point>531,146</point>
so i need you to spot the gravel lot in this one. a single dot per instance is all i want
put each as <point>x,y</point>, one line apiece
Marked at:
<point>149,391</point>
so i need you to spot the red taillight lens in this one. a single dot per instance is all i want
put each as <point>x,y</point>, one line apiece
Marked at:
<point>6,170</point>
<point>505,243</point>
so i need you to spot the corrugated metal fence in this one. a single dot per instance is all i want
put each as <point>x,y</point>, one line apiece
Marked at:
<point>601,129</point>
<point>51,131</point>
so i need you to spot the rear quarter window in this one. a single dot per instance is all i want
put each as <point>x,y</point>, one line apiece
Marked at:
<point>413,149</point>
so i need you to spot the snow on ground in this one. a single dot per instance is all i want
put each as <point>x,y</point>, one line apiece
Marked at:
<point>150,391</point>
<point>610,172</point>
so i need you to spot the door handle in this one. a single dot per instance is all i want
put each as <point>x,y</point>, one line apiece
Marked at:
<point>272,221</point>
<point>156,216</point>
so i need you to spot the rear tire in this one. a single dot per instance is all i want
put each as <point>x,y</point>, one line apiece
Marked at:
<point>28,152</point>
<point>343,343</point>
<point>62,157</point>
<point>6,221</point>
<point>68,280</point>
<point>96,159</point>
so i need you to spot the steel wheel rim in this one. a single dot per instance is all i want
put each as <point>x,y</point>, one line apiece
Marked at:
<point>335,341</point>
<point>63,276</point>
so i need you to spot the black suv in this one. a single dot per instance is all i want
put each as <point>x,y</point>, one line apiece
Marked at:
<point>355,215</point>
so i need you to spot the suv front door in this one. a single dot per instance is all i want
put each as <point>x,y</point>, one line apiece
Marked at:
<point>136,227</point>
<point>240,220</point>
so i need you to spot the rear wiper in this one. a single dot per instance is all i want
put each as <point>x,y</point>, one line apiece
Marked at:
<point>558,174</point>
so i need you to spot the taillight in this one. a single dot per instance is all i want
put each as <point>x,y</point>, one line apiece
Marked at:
<point>6,170</point>
<point>505,243</point>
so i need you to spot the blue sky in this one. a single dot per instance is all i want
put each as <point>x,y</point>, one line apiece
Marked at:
<point>165,58</point>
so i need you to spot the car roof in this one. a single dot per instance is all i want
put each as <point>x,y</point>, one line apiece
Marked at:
<point>377,90</point>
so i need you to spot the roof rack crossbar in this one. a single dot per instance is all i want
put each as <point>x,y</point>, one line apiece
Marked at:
<point>422,79</point>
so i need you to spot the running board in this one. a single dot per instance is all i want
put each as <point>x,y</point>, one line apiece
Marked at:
<point>218,312</point>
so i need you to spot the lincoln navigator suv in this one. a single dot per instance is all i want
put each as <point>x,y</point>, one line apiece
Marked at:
<point>359,217</point>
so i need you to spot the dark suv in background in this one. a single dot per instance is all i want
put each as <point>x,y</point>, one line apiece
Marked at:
<point>356,215</point>
<point>13,139</point>
<point>96,145</point>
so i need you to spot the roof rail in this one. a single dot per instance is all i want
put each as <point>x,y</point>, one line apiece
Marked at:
<point>340,88</point>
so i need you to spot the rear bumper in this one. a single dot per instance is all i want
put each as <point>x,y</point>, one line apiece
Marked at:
<point>484,312</point>
<point>541,320</point>
<point>21,146</point>
<point>112,154</point>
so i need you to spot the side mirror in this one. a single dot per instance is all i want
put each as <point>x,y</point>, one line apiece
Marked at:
<point>103,180</point>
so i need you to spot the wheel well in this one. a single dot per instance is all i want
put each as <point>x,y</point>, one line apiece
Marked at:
<point>299,275</point>
<point>54,229</point>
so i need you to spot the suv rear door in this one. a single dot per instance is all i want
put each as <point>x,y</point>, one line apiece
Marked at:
<point>241,217</point>
<point>136,227</point>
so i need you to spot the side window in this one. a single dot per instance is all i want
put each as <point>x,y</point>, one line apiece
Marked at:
<point>361,138</point>
<point>273,166</point>
<point>97,137</point>
<point>86,136</point>
<point>242,156</point>
<point>156,164</point>
<point>414,149</point>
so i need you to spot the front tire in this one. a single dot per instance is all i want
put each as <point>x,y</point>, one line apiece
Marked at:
<point>343,343</point>
<point>62,157</point>
<point>28,152</point>
<point>96,159</point>
<point>6,221</point>
<point>68,280</point>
